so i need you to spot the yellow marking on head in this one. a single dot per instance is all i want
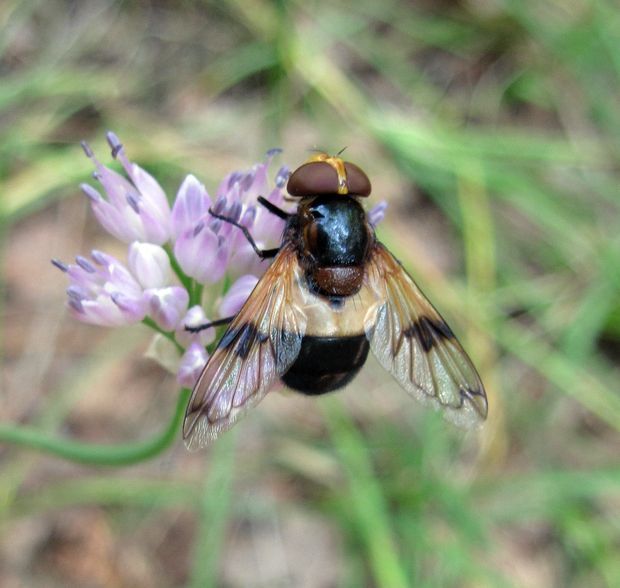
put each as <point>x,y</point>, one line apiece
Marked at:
<point>338,164</point>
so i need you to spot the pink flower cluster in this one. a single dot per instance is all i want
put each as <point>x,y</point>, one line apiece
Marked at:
<point>172,251</point>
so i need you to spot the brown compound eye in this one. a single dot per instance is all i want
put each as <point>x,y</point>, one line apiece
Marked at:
<point>312,179</point>
<point>357,180</point>
<point>317,178</point>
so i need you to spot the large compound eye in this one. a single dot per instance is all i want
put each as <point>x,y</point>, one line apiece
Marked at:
<point>357,180</point>
<point>316,178</point>
<point>312,179</point>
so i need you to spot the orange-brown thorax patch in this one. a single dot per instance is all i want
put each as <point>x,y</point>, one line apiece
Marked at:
<point>339,281</point>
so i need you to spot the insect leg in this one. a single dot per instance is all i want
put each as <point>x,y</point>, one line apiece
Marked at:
<point>273,209</point>
<point>216,323</point>
<point>262,253</point>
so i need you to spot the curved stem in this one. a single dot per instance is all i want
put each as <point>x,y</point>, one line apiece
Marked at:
<point>149,322</point>
<point>196,294</point>
<point>185,280</point>
<point>96,453</point>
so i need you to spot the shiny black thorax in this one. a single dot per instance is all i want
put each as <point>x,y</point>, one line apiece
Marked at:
<point>334,240</point>
<point>342,237</point>
<point>330,231</point>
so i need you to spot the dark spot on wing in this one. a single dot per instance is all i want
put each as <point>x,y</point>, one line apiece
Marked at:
<point>422,332</point>
<point>242,339</point>
<point>247,336</point>
<point>441,328</point>
<point>428,332</point>
<point>229,336</point>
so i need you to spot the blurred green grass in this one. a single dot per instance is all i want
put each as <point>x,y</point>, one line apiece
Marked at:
<point>503,118</point>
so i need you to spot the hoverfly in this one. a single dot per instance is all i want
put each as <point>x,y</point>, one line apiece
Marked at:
<point>332,293</point>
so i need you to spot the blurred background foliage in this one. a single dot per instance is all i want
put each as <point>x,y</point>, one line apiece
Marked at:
<point>492,127</point>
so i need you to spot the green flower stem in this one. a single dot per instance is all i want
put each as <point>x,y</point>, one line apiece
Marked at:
<point>95,453</point>
<point>196,294</point>
<point>149,322</point>
<point>186,281</point>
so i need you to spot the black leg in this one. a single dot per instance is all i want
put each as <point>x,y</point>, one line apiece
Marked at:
<point>262,253</point>
<point>273,209</point>
<point>216,323</point>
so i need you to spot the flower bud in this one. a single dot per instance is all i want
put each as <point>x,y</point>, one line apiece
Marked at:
<point>150,264</point>
<point>192,364</point>
<point>166,306</point>
<point>194,318</point>
<point>237,295</point>
<point>190,206</point>
<point>202,254</point>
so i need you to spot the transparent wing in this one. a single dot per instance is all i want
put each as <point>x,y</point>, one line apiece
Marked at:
<point>411,340</point>
<point>260,344</point>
